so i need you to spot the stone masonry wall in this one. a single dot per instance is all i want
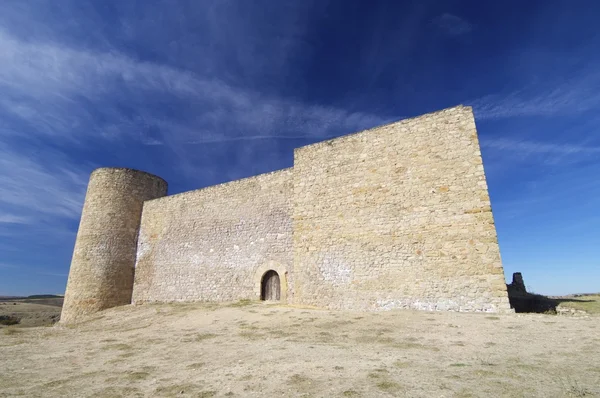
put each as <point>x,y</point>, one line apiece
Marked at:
<point>397,217</point>
<point>215,244</point>
<point>101,274</point>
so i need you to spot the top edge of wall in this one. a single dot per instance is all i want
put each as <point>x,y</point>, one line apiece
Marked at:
<point>316,144</point>
<point>125,170</point>
<point>228,183</point>
<point>372,129</point>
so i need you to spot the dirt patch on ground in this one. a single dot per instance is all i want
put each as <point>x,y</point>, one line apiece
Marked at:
<point>256,349</point>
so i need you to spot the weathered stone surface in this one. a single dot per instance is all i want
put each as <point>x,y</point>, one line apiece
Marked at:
<point>102,267</point>
<point>216,243</point>
<point>398,216</point>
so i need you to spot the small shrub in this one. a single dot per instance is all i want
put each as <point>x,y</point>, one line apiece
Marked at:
<point>8,320</point>
<point>574,389</point>
<point>300,382</point>
<point>379,374</point>
<point>389,386</point>
<point>205,336</point>
<point>299,379</point>
<point>133,376</point>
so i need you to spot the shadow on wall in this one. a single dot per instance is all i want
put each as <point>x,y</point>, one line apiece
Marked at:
<point>523,301</point>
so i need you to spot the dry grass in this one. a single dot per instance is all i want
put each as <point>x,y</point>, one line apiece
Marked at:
<point>588,303</point>
<point>120,347</point>
<point>389,386</point>
<point>28,313</point>
<point>11,330</point>
<point>250,349</point>
<point>204,336</point>
<point>241,303</point>
<point>136,376</point>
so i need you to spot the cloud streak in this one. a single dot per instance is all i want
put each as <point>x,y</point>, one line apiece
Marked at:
<point>12,219</point>
<point>570,96</point>
<point>37,188</point>
<point>59,98</point>
<point>49,79</point>
<point>452,25</point>
<point>531,147</point>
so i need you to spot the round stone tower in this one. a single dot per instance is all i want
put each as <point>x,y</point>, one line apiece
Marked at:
<point>102,266</point>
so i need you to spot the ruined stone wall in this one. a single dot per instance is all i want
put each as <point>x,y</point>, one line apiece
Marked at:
<point>101,274</point>
<point>397,217</point>
<point>215,244</point>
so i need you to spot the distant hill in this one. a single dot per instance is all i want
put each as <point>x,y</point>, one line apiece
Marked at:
<point>44,299</point>
<point>33,296</point>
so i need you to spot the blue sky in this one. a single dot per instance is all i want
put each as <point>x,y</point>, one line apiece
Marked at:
<point>203,92</point>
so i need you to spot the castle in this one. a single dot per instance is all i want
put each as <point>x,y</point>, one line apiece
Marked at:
<point>397,216</point>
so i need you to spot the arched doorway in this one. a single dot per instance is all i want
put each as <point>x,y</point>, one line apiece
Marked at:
<point>270,287</point>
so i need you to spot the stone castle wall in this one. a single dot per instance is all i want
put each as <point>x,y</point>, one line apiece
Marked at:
<point>102,267</point>
<point>393,217</point>
<point>215,244</point>
<point>397,217</point>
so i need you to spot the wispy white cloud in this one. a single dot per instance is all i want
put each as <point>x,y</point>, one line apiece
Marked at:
<point>452,24</point>
<point>531,147</point>
<point>263,119</point>
<point>570,96</point>
<point>79,97</point>
<point>509,153</point>
<point>12,219</point>
<point>62,97</point>
<point>37,188</point>
<point>52,87</point>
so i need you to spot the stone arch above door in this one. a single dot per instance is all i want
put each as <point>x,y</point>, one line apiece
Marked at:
<point>263,269</point>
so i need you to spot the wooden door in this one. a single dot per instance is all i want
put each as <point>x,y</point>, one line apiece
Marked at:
<point>271,289</point>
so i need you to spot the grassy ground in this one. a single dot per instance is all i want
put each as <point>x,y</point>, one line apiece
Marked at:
<point>28,312</point>
<point>256,349</point>
<point>587,303</point>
